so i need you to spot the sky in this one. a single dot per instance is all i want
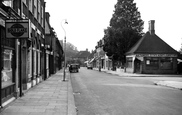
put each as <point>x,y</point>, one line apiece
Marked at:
<point>87,20</point>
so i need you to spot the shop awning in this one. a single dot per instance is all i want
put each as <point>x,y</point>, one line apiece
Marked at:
<point>92,60</point>
<point>86,61</point>
<point>179,60</point>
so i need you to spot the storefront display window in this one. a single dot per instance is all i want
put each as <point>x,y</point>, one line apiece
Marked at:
<point>166,63</point>
<point>7,68</point>
<point>152,63</point>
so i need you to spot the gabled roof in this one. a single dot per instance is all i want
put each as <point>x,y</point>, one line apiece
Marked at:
<point>151,44</point>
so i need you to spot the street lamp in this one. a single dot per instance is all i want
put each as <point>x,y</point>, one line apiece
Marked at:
<point>64,74</point>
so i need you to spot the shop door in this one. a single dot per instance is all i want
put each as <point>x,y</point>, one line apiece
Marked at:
<point>137,66</point>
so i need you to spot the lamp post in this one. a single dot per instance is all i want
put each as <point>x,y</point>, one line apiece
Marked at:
<point>64,73</point>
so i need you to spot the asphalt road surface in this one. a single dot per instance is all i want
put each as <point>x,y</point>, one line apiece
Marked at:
<point>99,93</point>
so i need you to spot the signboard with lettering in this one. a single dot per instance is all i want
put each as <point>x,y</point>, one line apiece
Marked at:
<point>156,55</point>
<point>17,29</point>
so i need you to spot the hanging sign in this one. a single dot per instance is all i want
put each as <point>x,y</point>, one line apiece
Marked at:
<point>17,29</point>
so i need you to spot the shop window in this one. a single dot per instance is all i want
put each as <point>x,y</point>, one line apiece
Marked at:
<point>129,62</point>
<point>152,63</point>
<point>7,68</point>
<point>166,63</point>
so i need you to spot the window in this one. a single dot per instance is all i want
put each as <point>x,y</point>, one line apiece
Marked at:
<point>30,5</point>
<point>152,63</point>
<point>35,9</point>
<point>7,68</point>
<point>38,14</point>
<point>42,14</point>
<point>166,63</point>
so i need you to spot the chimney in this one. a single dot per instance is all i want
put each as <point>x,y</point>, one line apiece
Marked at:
<point>47,15</point>
<point>151,27</point>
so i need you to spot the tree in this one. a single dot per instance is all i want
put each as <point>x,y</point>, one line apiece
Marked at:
<point>71,50</point>
<point>126,15</point>
<point>125,30</point>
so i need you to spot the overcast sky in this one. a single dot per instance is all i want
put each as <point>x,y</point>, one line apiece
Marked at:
<point>87,20</point>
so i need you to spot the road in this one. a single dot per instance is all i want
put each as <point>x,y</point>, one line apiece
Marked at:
<point>99,93</point>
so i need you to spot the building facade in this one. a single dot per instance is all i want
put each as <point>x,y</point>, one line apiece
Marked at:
<point>25,61</point>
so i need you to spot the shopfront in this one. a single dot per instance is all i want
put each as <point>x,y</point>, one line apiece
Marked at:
<point>152,63</point>
<point>8,67</point>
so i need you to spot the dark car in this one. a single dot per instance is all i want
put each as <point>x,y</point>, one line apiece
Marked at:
<point>73,68</point>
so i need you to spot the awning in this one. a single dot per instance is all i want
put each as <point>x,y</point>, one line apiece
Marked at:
<point>92,60</point>
<point>86,61</point>
<point>179,61</point>
<point>140,58</point>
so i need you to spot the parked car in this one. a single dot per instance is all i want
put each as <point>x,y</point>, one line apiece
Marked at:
<point>89,66</point>
<point>73,68</point>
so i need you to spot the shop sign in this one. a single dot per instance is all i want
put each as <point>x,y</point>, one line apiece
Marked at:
<point>156,55</point>
<point>17,29</point>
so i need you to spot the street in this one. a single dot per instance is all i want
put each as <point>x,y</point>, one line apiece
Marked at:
<point>99,93</point>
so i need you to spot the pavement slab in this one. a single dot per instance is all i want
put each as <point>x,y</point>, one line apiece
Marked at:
<point>50,97</point>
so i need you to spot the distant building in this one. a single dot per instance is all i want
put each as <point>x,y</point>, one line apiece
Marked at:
<point>82,56</point>
<point>54,51</point>
<point>151,55</point>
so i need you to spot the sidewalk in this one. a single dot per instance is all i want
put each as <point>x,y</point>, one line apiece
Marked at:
<point>173,81</point>
<point>50,97</point>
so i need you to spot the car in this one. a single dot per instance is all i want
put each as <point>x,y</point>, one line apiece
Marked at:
<point>89,66</point>
<point>73,68</point>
